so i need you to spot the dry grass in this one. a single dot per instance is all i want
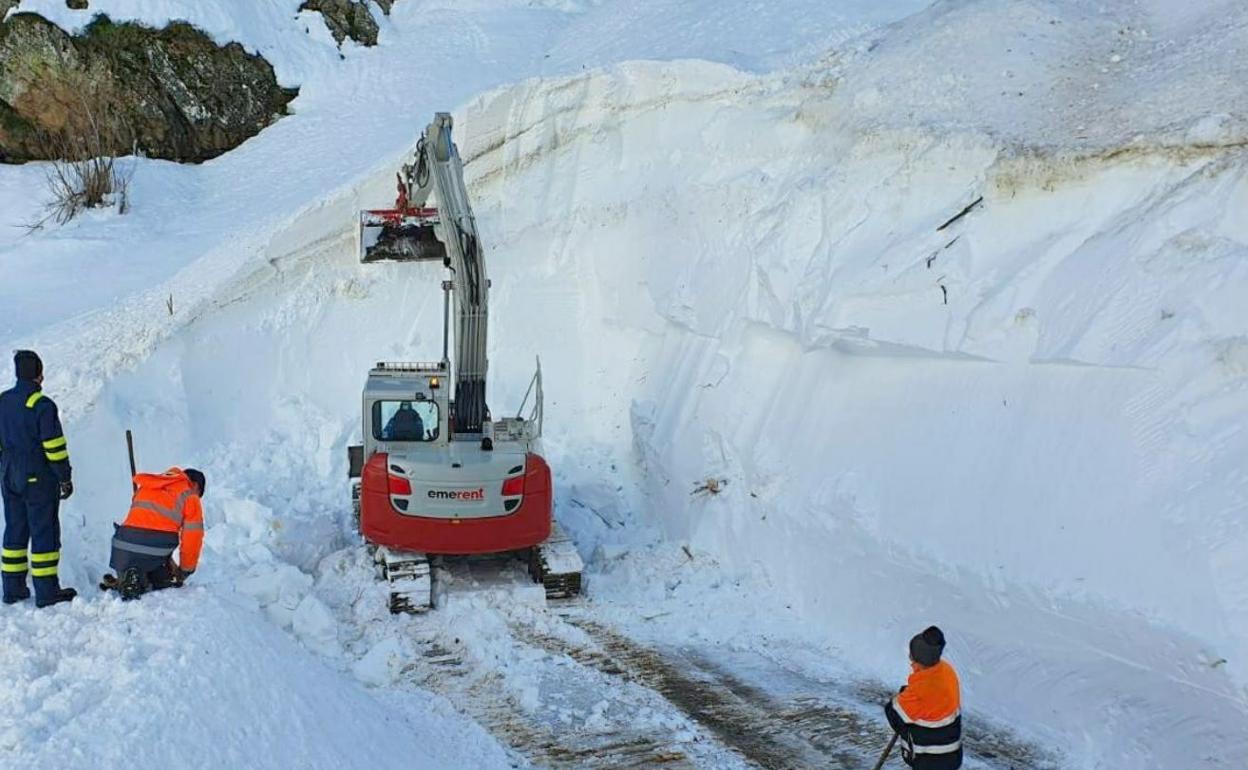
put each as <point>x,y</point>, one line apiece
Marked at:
<point>85,172</point>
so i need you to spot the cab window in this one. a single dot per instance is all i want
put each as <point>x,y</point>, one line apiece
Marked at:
<point>414,420</point>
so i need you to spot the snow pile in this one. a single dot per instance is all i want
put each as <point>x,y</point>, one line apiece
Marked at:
<point>189,679</point>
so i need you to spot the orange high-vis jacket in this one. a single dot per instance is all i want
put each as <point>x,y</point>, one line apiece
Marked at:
<point>931,694</point>
<point>168,502</point>
<point>927,714</point>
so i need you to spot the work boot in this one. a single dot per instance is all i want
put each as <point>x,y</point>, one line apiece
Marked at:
<point>130,584</point>
<point>61,595</point>
<point>19,596</point>
<point>15,587</point>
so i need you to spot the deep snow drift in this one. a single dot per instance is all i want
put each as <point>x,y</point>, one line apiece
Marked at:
<point>1026,425</point>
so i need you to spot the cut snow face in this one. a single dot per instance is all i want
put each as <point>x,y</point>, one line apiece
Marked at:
<point>1022,423</point>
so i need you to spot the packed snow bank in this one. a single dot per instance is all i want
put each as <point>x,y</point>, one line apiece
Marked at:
<point>189,679</point>
<point>1026,426</point>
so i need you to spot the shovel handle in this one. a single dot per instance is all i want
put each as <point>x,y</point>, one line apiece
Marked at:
<point>887,750</point>
<point>130,451</point>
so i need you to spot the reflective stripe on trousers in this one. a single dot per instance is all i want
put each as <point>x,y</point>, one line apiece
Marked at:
<point>146,550</point>
<point>945,748</point>
<point>44,564</point>
<point>13,560</point>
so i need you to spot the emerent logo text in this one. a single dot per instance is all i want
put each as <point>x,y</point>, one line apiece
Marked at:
<point>460,495</point>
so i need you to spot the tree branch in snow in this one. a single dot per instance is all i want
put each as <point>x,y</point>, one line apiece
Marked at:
<point>970,207</point>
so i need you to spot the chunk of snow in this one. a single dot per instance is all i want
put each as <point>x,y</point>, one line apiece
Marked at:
<point>315,625</point>
<point>380,665</point>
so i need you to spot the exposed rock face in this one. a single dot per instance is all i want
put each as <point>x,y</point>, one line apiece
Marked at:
<point>178,94</point>
<point>348,18</point>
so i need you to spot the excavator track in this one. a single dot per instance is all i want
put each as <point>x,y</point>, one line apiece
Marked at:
<point>557,565</point>
<point>411,580</point>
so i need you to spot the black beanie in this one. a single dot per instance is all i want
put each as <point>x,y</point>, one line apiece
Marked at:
<point>925,648</point>
<point>27,364</point>
<point>197,477</point>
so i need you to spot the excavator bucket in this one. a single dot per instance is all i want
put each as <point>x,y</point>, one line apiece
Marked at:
<point>399,235</point>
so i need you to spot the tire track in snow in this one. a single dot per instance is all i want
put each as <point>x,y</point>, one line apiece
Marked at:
<point>768,732</point>
<point>761,731</point>
<point>614,738</point>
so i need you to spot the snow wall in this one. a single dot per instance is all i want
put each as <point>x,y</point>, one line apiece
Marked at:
<point>1025,425</point>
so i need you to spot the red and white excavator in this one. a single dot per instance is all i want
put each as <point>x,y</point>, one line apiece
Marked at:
<point>437,476</point>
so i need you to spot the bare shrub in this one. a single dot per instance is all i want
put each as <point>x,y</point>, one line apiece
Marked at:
<point>85,171</point>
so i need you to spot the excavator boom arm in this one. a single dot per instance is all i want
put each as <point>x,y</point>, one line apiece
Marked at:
<point>439,171</point>
<point>415,231</point>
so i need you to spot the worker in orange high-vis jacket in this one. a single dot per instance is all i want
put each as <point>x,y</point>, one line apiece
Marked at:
<point>927,713</point>
<point>165,514</point>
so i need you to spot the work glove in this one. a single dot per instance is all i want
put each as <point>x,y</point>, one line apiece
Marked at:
<point>67,489</point>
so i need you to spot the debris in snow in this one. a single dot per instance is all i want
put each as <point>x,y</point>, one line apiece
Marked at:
<point>968,209</point>
<point>711,486</point>
<point>596,512</point>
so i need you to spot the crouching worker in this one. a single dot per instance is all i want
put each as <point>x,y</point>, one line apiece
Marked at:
<point>926,714</point>
<point>165,515</point>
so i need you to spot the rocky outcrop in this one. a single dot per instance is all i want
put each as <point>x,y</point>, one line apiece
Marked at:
<point>349,18</point>
<point>176,93</point>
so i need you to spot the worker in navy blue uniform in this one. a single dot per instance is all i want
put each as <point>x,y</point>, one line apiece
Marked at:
<point>34,479</point>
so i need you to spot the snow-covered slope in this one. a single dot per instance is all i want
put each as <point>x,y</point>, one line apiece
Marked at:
<point>1025,425</point>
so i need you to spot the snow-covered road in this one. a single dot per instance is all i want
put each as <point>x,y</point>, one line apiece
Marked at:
<point>566,686</point>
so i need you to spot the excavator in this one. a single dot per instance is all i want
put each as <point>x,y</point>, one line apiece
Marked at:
<point>437,476</point>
